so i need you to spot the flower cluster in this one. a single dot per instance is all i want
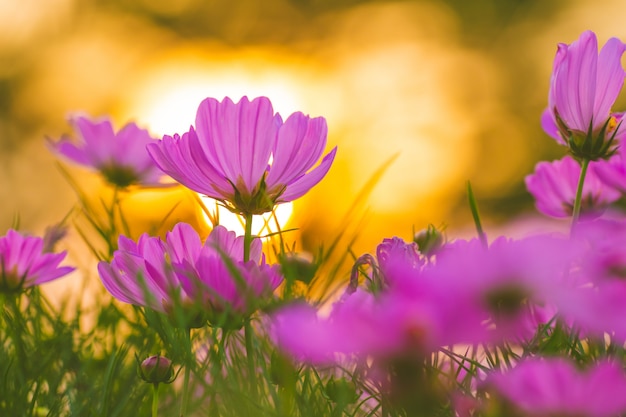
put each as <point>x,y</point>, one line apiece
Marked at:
<point>525,326</point>
<point>209,280</point>
<point>512,303</point>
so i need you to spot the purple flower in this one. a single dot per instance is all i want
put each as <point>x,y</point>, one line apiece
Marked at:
<point>612,172</point>
<point>554,185</point>
<point>120,157</point>
<point>501,293</point>
<point>24,264</point>
<point>359,324</point>
<point>207,280</point>
<point>469,295</point>
<point>583,88</point>
<point>554,386</point>
<point>245,155</point>
<point>596,304</point>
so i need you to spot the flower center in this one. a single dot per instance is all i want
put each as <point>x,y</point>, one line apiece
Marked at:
<point>120,176</point>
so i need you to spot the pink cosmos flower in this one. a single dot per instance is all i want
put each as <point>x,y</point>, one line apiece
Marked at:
<point>583,88</point>
<point>612,172</point>
<point>23,263</point>
<point>245,155</point>
<point>554,386</point>
<point>596,305</point>
<point>120,157</point>
<point>395,257</point>
<point>554,185</point>
<point>469,295</point>
<point>501,293</point>
<point>208,279</point>
<point>359,325</point>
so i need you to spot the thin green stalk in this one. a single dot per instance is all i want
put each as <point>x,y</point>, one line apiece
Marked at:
<point>474,208</point>
<point>17,330</point>
<point>579,194</point>
<point>250,356</point>
<point>185,402</point>
<point>247,242</point>
<point>155,399</point>
<point>247,238</point>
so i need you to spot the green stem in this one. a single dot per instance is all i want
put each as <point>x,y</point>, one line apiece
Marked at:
<point>247,242</point>
<point>247,238</point>
<point>579,194</point>
<point>250,356</point>
<point>155,399</point>
<point>112,229</point>
<point>185,403</point>
<point>474,208</point>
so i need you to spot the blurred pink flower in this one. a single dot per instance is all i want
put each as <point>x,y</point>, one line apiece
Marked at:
<point>554,386</point>
<point>396,257</point>
<point>583,88</point>
<point>208,279</point>
<point>469,295</point>
<point>23,263</point>
<point>121,157</point>
<point>245,156</point>
<point>359,324</point>
<point>503,292</point>
<point>554,185</point>
<point>612,172</point>
<point>596,305</point>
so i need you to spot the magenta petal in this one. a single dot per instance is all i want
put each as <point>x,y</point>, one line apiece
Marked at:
<point>610,78</point>
<point>301,141</point>
<point>549,126</point>
<point>115,285</point>
<point>237,138</point>
<point>71,152</point>
<point>303,184</point>
<point>184,243</point>
<point>182,159</point>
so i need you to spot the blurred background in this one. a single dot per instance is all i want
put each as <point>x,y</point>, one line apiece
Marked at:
<point>452,88</point>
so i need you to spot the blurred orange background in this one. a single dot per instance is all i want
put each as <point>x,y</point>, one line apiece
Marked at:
<point>452,89</point>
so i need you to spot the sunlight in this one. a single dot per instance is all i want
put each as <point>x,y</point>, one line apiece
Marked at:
<point>170,95</point>
<point>168,98</point>
<point>262,225</point>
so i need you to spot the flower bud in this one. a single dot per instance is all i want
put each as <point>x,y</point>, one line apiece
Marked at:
<point>157,369</point>
<point>429,240</point>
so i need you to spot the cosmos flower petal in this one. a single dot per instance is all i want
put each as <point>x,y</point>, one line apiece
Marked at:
<point>302,185</point>
<point>245,156</point>
<point>301,141</point>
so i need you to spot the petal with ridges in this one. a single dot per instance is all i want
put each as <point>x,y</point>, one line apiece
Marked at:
<point>300,186</point>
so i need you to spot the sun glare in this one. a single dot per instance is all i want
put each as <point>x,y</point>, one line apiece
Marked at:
<point>262,225</point>
<point>168,97</point>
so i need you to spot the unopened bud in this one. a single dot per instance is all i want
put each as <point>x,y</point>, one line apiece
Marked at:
<point>157,369</point>
<point>429,240</point>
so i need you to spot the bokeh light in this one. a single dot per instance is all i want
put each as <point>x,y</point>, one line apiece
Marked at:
<point>450,90</point>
